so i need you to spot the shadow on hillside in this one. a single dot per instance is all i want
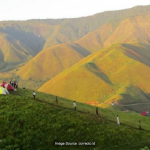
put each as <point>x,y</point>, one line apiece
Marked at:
<point>135,99</point>
<point>32,41</point>
<point>139,53</point>
<point>1,56</point>
<point>97,71</point>
<point>80,50</point>
<point>8,66</point>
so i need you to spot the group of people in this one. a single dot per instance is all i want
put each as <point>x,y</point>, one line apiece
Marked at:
<point>56,100</point>
<point>118,121</point>
<point>74,105</point>
<point>14,84</point>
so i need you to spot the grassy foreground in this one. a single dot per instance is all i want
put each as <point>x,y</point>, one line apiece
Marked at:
<point>26,124</point>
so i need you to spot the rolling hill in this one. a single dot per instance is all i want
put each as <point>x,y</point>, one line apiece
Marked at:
<point>134,38</point>
<point>17,48</point>
<point>38,124</point>
<point>52,61</point>
<point>131,30</point>
<point>117,73</point>
<point>47,47</point>
<point>33,36</point>
<point>93,60</point>
<point>13,52</point>
<point>61,56</point>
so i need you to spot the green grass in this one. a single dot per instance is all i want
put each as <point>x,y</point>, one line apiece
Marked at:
<point>28,124</point>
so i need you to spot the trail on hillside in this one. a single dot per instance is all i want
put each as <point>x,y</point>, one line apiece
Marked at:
<point>133,104</point>
<point>130,104</point>
<point>104,117</point>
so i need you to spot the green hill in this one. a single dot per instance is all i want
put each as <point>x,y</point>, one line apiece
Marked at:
<point>37,124</point>
<point>118,73</point>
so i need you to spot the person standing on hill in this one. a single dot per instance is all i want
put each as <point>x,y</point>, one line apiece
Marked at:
<point>74,104</point>
<point>56,100</point>
<point>16,85</point>
<point>34,94</point>
<point>97,111</point>
<point>118,122</point>
<point>3,84</point>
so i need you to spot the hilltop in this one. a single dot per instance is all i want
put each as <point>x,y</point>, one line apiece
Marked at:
<point>52,61</point>
<point>118,73</point>
<point>37,124</point>
<point>131,30</point>
<point>62,56</point>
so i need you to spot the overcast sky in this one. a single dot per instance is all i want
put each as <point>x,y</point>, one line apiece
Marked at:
<point>43,9</point>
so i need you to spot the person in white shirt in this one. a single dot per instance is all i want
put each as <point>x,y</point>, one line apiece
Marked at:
<point>34,94</point>
<point>118,122</point>
<point>74,104</point>
<point>112,103</point>
<point>16,85</point>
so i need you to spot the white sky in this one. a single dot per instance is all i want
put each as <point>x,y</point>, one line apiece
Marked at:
<point>44,9</point>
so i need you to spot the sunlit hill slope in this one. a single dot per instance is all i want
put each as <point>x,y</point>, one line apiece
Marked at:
<point>51,61</point>
<point>34,36</point>
<point>131,30</point>
<point>117,73</point>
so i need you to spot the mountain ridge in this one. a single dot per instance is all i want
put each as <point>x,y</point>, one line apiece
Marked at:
<point>50,32</point>
<point>129,31</point>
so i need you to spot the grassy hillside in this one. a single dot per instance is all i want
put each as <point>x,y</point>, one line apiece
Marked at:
<point>27,38</point>
<point>128,31</point>
<point>117,73</point>
<point>37,124</point>
<point>15,51</point>
<point>61,56</point>
<point>12,52</point>
<point>131,30</point>
<point>50,62</point>
<point>94,40</point>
